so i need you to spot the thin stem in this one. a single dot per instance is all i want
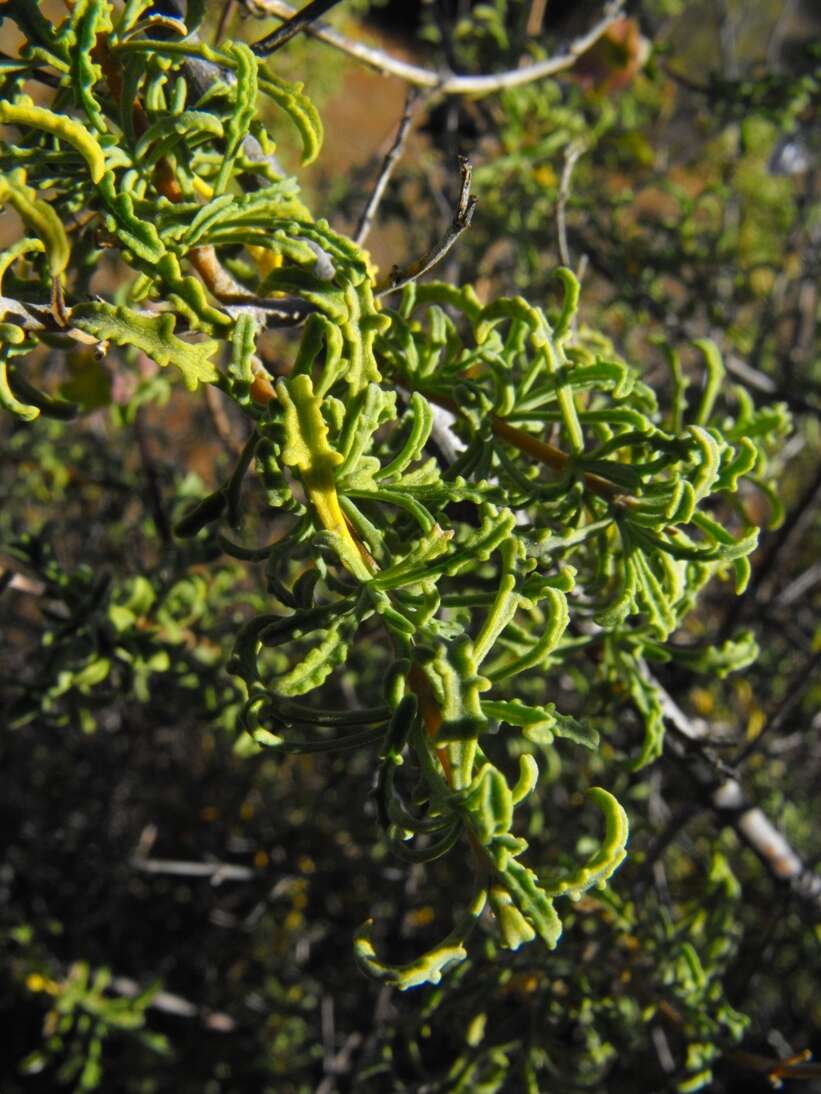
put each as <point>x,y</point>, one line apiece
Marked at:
<point>549,454</point>
<point>388,165</point>
<point>152,479</point>
<point>431,715</point>
<point>448,83</point>
<point>571,156</point>
<point>460,223</point>
<point>225,18</point>
<point>219,419</point>
<point>297,23</point>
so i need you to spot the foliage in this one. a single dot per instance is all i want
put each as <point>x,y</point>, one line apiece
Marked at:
<point>480,526</point>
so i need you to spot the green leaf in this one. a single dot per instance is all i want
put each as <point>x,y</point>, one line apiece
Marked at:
<point>715,376</point>
<point>538,722</point>
<point>514,929</point>
<point>154,335</point>
<point>162,135</point>
<point>245,102</point>
<point>9,401</point>
<point>39,216</point>
<point>611,853</point>
<point>558,617</point>
<point>299,109</point>
<point>23,113</point>
<point>89,18</point>
<point>428,968</point>
<point>320,661</point>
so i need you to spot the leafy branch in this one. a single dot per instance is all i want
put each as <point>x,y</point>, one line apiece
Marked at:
<point>579,513</point>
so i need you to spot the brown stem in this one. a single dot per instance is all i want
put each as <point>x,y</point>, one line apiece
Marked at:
<point>431,714</point>
<point>555,458</point>
<point>203,259</point>
<point>545,453</point>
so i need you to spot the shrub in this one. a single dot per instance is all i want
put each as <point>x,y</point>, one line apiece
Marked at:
<point>459,535</point>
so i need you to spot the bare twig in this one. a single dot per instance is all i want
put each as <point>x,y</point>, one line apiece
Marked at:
<point>390,162</point>
<point>442,434</point>
<point>339,1064</point>
<point>170,1003</point>
<point>751,376</point>
<point>383,1013</point>
<point>793,696</point>
<point>152,481</point>
<point>727,798</point>
<point>662,1047</point>
<point>445,82</point>
<point>22,584</point>
<point>799,586</point>
<point>297,23</point>
<point>572,154</point>
<point>535,17</point>
<point>219,418</point>
<point>216,871</point>
<point>461,221</point>
<point>797,1066</point>
<point>225,17</point>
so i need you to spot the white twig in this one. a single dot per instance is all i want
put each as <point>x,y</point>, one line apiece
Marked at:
<point>572,154</point>
<point>216,871</point>
<point>750,822</point>
<point>799,587</point>
<point>442,433</point>
<point>752,376</point>
<point>22,584</point>
<point>175,1004</point>
<point>445,82</point>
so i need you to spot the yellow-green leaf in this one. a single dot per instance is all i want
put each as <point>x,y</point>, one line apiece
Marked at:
<point>24,113</point>
<point>154,335</point>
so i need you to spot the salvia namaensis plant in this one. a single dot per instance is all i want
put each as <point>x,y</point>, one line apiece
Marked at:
<point>554,507</point>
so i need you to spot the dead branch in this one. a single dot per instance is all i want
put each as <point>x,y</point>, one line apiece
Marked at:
<point>388,165</point>
<point>170,1003</point>
<point>726,797</point>
<point>295,25</point>
<point>446,82</point>
<point>217,872</point>
<point>460,223</point>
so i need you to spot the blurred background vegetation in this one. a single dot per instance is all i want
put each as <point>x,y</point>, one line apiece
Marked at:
<point>176,909</point>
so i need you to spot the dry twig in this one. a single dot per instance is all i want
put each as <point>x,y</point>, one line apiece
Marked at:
<point>572,154</point>
<point>461,221</point>
<point>295,25</point>
<point>388,165</point>
<point>727,798</point>
<point>445,82</point>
